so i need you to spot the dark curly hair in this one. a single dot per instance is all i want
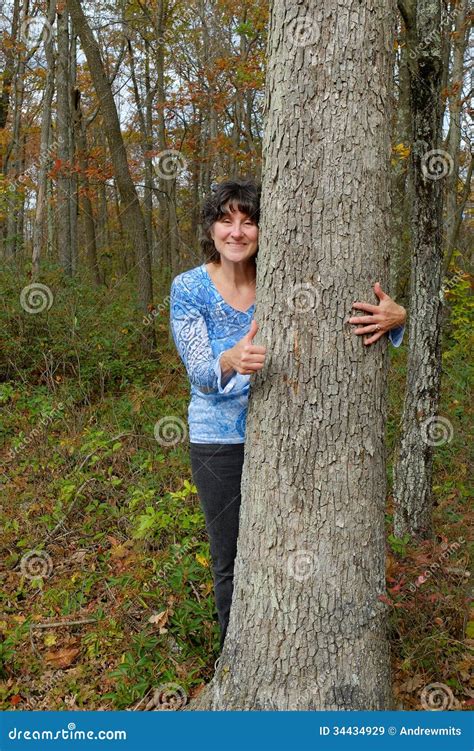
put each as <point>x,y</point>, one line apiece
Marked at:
<point>243,194</point>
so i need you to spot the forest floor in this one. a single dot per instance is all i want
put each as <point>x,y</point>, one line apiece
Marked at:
<point>106,582</point>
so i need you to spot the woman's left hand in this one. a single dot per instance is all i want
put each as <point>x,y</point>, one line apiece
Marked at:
<point>383,317</point>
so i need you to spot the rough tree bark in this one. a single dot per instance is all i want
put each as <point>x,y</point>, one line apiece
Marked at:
<point>420,425</point>
<point>134,221</point>
<point>307,628</point>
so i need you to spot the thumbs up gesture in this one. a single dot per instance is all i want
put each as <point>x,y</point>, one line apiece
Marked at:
<point>245,357</point>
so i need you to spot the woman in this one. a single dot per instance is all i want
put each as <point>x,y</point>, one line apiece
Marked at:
<point>212,309</point>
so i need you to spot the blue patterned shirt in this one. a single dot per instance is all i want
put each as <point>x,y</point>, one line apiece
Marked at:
<point>203,326</point>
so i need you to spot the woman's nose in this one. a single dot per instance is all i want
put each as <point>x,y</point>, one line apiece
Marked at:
<point>237,230</point>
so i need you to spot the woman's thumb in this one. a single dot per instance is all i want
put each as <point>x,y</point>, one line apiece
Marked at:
<point>253,330</point>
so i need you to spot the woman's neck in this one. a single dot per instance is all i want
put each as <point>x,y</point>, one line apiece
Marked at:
<point>238,275</point>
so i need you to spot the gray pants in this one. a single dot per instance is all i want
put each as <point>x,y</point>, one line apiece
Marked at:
<point>217,472</point>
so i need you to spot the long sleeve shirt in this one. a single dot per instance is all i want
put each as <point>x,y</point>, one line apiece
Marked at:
<point>204,325</point>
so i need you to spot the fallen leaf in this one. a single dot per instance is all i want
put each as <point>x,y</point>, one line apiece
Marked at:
<point>62,658</point>
<point>160,620</point>
<point>412,683</point>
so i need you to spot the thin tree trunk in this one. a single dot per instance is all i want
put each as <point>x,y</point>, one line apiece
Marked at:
<point>8,70</point>
<point>420,423</point>
<point>73,178</point>
<point>167,182</point>
<point>87,210</point>
<point>63,127</point>
<point>149,179</point>
<point>13,157</point>
<point>453,142</point>
<point>103,230</point>
<point>39,227</point>
<point>7,79</point>
<point>135,224</point>
<point>400,260</point>
<point>307,629</point>
<point>147,145</point>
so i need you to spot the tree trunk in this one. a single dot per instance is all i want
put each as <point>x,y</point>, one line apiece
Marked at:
<point>8,70</point>
<point>7,78</point>
<point>87,210</point>
<point>63,126</point>
<point>132,212</point>
<point>454,207</point>
<point>401,194</point>
<point>307,629</point>
<point>73,178</point>
<point>12,164</point>
<point>103,230</point>
<point>420,423</point>
<point>167,184</point>
<point>147,143</point>
<point>39,227</point>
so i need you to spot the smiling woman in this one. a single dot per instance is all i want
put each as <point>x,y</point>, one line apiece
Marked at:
<point>212,308</point>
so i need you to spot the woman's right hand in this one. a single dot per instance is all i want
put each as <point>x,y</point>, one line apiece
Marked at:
<point>244,357</point>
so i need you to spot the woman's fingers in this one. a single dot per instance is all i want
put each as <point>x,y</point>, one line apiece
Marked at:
<point>250,363</point>
<point>374,338</point>
<point>369,329</point>
<point>365,319</point>
<point>365,306</point>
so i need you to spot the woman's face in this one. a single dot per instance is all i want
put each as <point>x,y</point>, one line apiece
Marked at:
<point>235,236</point>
